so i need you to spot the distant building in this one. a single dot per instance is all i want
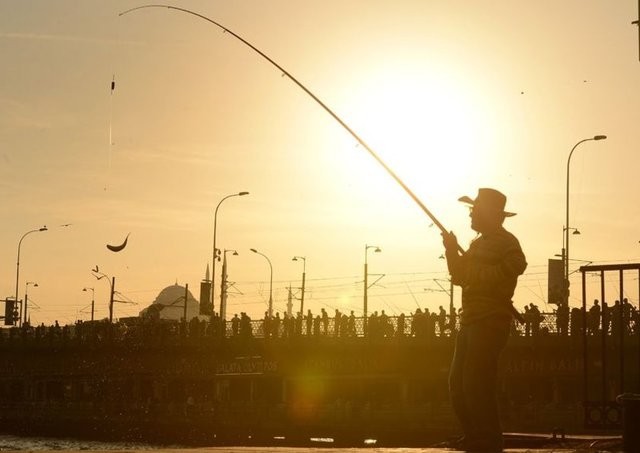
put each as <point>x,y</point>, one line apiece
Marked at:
<point>206,307</point>
<point>170,305</point>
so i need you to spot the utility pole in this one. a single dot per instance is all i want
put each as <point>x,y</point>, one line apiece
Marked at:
<point>113,286</point>
<point>186,298</point>
<point>304,275</point>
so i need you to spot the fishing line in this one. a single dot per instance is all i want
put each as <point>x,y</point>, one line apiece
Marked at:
<point>110,149</point>
<point>115,51</point>
<point>315,98</point>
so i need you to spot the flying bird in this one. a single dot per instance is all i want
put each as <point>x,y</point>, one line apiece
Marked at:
<point>117,248</point>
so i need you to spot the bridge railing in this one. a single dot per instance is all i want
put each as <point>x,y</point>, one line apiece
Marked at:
<point>420,326</point>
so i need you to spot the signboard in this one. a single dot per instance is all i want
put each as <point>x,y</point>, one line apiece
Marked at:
<point>555,282</point>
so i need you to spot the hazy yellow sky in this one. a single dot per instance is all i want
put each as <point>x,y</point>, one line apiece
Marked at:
<point>453,95</point>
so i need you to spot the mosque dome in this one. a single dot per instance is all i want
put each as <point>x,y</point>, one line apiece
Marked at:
<point>169,304</point>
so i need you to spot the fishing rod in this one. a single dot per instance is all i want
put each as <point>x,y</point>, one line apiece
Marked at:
<point>325,107</point>
<point>315,98</point>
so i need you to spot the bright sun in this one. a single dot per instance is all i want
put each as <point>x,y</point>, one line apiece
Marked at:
<point>428,129</point>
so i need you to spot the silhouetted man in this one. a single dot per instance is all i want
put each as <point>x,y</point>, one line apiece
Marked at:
<point>536,319</point>
<point>351,325</point>
<point>309,322</point>
<point>442,320</point>
<point>616,325</point>
<point>275,329</point>
<point>606,317</point>
<point>488,275</point>
<point>400,325</point>
<point>325,321</point>
<point>528,320</point>
<point>235,324</point>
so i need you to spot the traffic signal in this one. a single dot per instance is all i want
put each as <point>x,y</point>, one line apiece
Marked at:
<point>9,312</point>
<point>556,283</point>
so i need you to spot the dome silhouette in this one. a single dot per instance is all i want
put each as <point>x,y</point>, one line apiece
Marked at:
<point>169,304</point>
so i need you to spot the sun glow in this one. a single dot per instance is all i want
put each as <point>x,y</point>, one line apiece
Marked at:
<point>428,128</point>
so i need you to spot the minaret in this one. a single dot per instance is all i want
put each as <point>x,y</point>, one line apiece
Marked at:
<point>290,302</point>
<point>205,294</point>
<point>223,289</point>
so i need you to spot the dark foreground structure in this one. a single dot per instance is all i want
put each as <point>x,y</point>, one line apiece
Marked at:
<point>351,380</point>
<point>162,383</point>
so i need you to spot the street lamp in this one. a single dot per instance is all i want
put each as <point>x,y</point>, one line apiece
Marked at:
<point>574,231</point>
<point>366,280</point>
<point>223,286</point>
<point>92,299</point>
<point>26,299</point>
<point>215,250</point>
<point>270,281</point>
<point>44,228</point>
<point>304,274</point>
<point>567,228</point>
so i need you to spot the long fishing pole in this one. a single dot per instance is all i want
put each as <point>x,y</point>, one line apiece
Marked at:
<point>315,98</point>
<point>325,107</point>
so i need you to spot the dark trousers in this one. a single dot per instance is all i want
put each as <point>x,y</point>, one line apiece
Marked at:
<point>473,381</point>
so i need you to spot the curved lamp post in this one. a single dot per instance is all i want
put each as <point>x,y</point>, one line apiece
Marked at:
<point>215,250</point>
<point>567,228</point>
<point>44,228</point>
<point>223,286</point>
<point>366,281</point>
<point>304,274</point>
<point>26,298</point>
<point>270,281</point>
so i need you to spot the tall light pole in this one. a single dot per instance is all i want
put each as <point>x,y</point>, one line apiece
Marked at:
<point>44,228</point>
<point>224,285</point>
<point>215,250</point>
<point>26,299</point>
<point>93,299</point>
<point>567,226</point>
<point>304,274</point>
<point>270,281</point>
<point>366,281</point>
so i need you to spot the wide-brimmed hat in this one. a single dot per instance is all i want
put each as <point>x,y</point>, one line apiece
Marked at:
<point>490,200</point>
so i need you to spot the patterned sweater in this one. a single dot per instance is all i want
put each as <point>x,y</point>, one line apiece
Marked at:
<point>487,273</point>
